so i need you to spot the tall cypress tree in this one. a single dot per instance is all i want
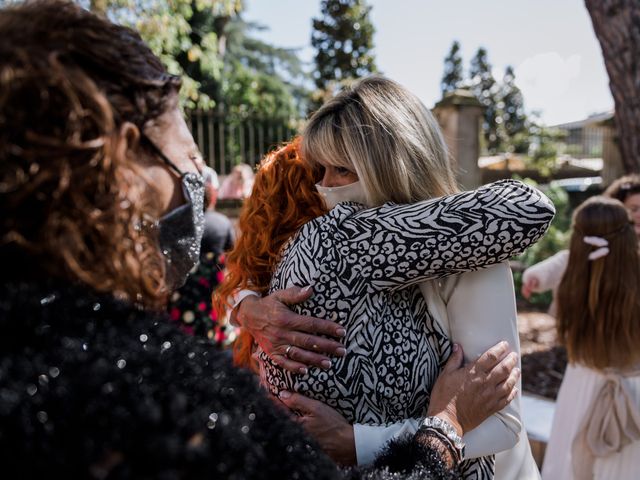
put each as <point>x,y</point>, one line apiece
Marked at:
<point>452,77</point>
<point>484,86</point>
<point>514,119</point>
<point>343,39</point>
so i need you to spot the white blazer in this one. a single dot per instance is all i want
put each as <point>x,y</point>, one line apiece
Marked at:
<point>476,310</point>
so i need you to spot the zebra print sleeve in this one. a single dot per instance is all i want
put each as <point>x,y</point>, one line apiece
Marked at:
<point>393,246</point>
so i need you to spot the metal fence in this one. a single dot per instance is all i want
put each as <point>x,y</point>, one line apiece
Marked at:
<point>227,140</point>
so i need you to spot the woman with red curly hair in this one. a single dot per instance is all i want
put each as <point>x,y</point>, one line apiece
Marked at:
<point>283,199</point>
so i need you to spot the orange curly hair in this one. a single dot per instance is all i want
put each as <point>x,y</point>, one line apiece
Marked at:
<point>283,199</point>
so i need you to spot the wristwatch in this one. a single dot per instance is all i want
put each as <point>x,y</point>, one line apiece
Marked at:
<point>444,427</point>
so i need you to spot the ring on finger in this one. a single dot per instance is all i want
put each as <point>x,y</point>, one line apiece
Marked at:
<point>287,351</point>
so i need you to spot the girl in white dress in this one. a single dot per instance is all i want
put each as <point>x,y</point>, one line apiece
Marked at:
<point>596,428</point>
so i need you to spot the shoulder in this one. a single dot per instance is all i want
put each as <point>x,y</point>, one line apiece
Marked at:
<point>217,219</point>
<point>113,378</point>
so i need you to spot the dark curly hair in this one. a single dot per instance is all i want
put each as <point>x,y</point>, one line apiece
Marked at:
<point>73,200</point>
<point>623,187</point>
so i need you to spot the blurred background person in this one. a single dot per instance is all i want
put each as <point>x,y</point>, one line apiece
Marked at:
<point>596,426</point>
<point>546,275</point>
<point>238,184</point>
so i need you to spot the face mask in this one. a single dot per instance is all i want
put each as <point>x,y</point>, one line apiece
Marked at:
<point>180,230</point>
<point>347,193</point>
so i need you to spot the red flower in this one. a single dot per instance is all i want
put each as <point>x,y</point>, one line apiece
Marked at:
<point>175,314</point>
<point>204,282</point>
<point>202,306</point>
<point>220,335</point>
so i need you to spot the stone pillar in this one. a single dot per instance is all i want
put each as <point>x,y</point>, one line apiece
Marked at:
<point>459,114</point>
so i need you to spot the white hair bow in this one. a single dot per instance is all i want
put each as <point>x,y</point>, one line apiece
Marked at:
<point>601,243</point>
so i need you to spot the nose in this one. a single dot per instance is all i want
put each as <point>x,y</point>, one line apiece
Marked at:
<point>328,179</point>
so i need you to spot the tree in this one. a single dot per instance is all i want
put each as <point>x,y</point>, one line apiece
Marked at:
<point>176,30</point>
<point>210,46</point>
<point>543,148</point>
<point>343,39</point>
<point>273,78</point>
<point>512,114</point>
<point>617,26</point>
<point>485,88</point>
<point>452,77</point>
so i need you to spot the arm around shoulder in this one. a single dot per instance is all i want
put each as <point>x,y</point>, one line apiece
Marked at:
<point>547,273</point>
<point>396,245</point>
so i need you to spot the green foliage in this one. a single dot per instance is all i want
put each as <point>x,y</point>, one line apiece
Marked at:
<point>183,34</point>
<point>505,125</point>
<point>486,89</point>
<point>511,108</point>
<point>165,26</point>
<point>343,39</point>
<point>556,239</point>
<point>453,75</point>
<point>208,44</point>
<point>543,149</point>
<point>261,79</point>
<point>260,84</point>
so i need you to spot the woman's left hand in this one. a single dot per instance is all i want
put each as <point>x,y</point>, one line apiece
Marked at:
<point>330,429</point>
<point>466,396</point>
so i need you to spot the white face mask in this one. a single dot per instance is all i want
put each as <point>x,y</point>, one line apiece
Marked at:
<point>347,193</point>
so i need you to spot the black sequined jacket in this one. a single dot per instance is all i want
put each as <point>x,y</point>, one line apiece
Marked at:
<point>91,387</point>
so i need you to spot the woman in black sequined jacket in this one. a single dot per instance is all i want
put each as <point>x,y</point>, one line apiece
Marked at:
<point>94,381</point>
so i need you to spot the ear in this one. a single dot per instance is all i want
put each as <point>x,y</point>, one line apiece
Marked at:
<point>129,143</point>
<point>130,133</point>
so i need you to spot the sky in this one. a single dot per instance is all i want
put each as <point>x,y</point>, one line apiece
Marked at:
<point>557,58</point>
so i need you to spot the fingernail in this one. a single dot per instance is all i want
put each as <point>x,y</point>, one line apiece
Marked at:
<point>455,347</point>
<point>284,394</point>
<point>517,371</point>
<point>341,332</point>
<point>306,289</point>
<point>341,352</point>
<point>326,364</point>
<point>303,371</point>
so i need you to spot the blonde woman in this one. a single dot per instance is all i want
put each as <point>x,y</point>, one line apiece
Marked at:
<point>376,143</point>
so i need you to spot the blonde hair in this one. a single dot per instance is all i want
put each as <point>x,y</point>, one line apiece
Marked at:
<point>387,136</point>
<point>599,300</point>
